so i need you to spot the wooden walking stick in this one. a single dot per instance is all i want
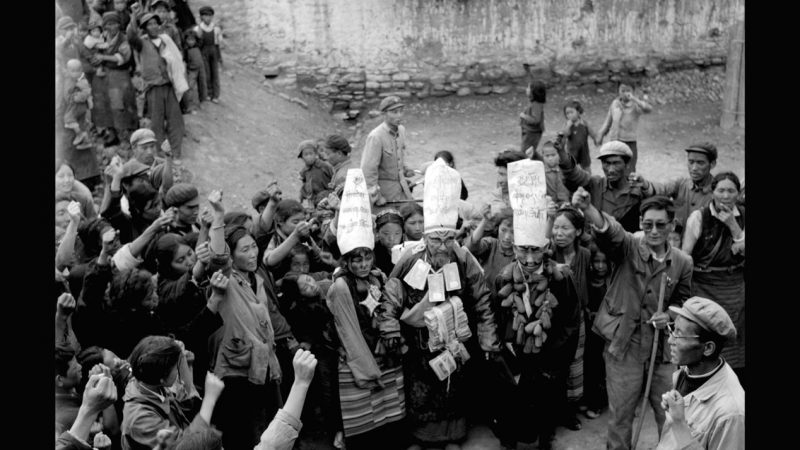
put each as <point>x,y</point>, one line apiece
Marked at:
<point>656,337</point>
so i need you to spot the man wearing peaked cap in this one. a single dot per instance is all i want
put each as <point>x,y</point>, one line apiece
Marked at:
<point>611,192</point>
<point>435,409</point>
<point>628,319</point>
<point>705,410</point>
<point>693,192</point>
<point>384,159</point>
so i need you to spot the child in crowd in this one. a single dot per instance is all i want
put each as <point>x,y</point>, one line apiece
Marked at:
<point>554,178</point>
<point>95,42</point>
<point>532,119</point>
<point>675,236</point>
<point>448,158</point>
<point>315,175</point>
<point>195,73</point>
<point>78,98</point>
<point>121,7</point>
<point>210,39</point>
<point>622,120</point>
<point>162,9</point>
<point>575,136</point>
<point>594,376</point>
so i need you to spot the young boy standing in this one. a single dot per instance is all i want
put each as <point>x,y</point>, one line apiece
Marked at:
<point>553,176</point>
<point>316,174</point>
<point>161,8</point>
<point>195,73</point>
<point>622,120</point>
<point>209,35</point>
<point>78,102</point>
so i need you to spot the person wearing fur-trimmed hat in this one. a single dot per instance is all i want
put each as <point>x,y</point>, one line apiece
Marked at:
<point>384,159</point>
<point>705,409</point>
<point>612,192</point>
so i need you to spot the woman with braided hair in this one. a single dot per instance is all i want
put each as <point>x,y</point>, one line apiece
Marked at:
<point>244,352</point>
<point>370,375</point>
<point>567,227</point>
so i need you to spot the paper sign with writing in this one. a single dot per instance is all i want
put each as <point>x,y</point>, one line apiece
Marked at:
<point>442,192</point>
<point>436,288</point>
<point>527,188</point>
<point>354,228</point>
<point>451,279</point>
<point>418,275</point>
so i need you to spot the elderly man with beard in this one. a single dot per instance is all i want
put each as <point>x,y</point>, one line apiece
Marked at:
<point>144,200</point>
<point>435,407</point>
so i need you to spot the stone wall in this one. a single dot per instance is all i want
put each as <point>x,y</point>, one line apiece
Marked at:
<point>353,52</point>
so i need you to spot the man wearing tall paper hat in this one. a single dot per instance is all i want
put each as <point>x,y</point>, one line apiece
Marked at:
<point>539,317</point>
<point>629,316</point>
<point>384,159</point>
<point>370,376</point>
<point>437,301</point>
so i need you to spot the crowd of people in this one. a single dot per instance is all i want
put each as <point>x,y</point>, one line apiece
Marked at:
<point>126,64</point>
<point>356,315</point>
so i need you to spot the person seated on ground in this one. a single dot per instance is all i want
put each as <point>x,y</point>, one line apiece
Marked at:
<point>162,395</point>
<point>705,409</point>
<point>100,393</point>
<point>285,426</point>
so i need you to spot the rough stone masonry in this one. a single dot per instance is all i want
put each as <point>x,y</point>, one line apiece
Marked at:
<point>354,52</point>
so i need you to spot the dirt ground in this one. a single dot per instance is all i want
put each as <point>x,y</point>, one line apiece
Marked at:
<point>250,139</point>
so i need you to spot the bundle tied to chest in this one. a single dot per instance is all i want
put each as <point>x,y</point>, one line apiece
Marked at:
<point>531,304</point>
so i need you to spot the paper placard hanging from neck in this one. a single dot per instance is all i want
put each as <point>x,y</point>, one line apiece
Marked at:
<point>354,228</point>
<point>442,192</point>
<point>527,188</point>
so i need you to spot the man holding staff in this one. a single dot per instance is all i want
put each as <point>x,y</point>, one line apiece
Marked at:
<point>628,316</point>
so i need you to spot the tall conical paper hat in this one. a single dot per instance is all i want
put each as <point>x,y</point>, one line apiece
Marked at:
<point>442,192</point>
<point>527,188</point>
<point>354,228</point>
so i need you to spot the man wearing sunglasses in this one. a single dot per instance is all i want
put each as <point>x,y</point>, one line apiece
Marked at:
<point>705,410</point>
<point>628,315</point>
